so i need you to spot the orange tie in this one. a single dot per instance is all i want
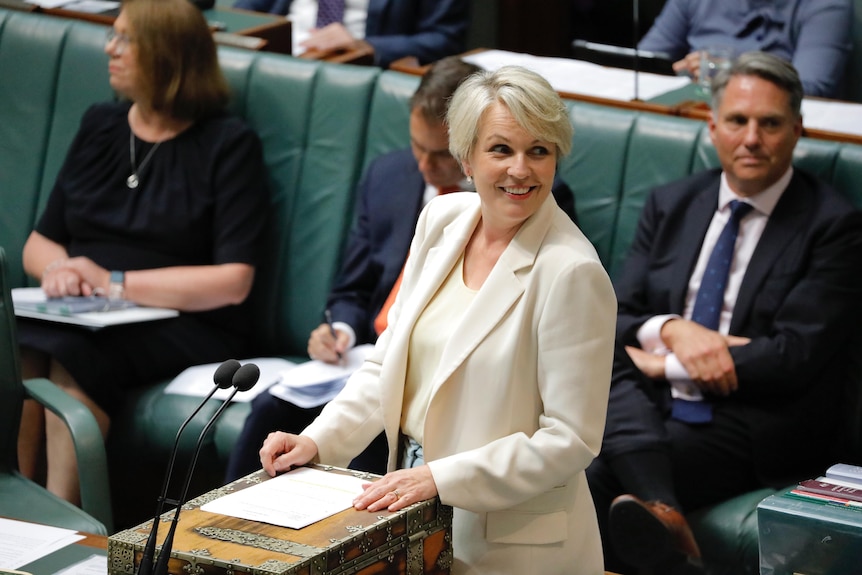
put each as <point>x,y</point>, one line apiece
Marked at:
<point>380,322</point>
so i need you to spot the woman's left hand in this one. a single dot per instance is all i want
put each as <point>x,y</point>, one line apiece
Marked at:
<point>94,278</point>
<point>397,490</point>
<point>78,276</point>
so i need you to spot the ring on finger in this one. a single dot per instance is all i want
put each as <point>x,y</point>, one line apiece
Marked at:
<point>396,494</point>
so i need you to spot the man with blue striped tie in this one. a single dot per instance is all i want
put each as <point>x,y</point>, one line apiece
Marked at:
<point>736,304</point>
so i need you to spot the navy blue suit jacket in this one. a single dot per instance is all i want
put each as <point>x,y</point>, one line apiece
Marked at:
<point>799,303</point>
<point>427,29</point>
<point>388,205</point>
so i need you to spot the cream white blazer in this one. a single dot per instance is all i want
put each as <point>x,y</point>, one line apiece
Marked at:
<point>519,398</point>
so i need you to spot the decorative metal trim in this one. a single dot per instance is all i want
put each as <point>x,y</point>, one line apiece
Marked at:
<point>259,541</point>
<point>201,552</point>
<point>121,559</point>
<point>193,569</point>
<point>275,566</point>
<point>209,496</point>
<point>129,536</point>
<point>416,554</point>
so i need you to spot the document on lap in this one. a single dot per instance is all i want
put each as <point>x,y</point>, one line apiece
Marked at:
<point>316,382</point>
<point>197,381</point>
<point>93,312</point>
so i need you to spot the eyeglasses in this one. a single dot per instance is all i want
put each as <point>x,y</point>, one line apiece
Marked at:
<point>123,41</point>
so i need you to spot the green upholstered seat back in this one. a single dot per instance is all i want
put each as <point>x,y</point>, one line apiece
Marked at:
<point>617,157</point>
<point>82,78</point>
<point>312,120</point>
<point>29,64</point>
<point>389,115</point>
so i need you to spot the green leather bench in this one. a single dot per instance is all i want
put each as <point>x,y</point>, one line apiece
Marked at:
<point>321,124</point>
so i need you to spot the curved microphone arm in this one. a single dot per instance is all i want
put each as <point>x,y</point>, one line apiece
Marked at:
<point>244,379</point>
<point>223,379</point>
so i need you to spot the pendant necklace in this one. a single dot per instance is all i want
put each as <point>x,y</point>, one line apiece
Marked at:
<point>132,180</point>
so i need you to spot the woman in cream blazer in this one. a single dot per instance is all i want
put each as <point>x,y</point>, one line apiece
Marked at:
<point>515,407</point>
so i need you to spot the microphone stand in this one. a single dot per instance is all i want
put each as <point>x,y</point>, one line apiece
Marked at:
<point>223,379</point>
<point>635,39</point>
<point>243,380</point>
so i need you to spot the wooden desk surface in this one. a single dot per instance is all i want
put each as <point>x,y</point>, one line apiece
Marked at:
<point>684,102</point>
<point>273,30</point>
<point>93,540</point>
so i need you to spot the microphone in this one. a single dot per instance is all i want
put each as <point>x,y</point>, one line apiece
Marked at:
<point>244,379</point>
<point>223,379</point>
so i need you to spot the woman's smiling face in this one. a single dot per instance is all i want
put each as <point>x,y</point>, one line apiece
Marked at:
<point>513,170</point>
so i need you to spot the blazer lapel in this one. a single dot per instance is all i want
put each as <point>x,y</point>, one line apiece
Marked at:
<point>694,225</point>
<point>498,294</point>
<point>783,225</point>
<point>438,263</point>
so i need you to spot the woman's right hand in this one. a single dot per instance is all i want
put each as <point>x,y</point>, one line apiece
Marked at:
<point>60,279</point>
<point>323,346</point>
<point>282,451</point>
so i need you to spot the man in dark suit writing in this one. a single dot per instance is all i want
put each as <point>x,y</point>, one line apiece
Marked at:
<point>735,305</point>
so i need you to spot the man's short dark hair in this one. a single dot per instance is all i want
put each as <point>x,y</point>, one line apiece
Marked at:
<point>767,67</point>
<point>437,86</point>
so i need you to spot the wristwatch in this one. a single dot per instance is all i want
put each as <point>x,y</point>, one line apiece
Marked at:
<point>117,285</point>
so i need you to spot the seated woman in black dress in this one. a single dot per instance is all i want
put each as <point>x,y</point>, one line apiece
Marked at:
<point>162,201</point>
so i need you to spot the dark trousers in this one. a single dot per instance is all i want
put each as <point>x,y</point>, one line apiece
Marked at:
<point>649,455</point>
<point>268,414</point>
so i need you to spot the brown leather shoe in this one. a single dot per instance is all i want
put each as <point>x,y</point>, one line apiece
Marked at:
<point>651,534</point>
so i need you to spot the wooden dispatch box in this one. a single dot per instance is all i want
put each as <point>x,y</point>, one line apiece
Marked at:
<point>413,541</point>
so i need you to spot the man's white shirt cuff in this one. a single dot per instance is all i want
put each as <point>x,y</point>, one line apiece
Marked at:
<point>351,335</point>
<point>649,336</point>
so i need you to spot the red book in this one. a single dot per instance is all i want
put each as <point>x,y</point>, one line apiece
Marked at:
<point>831,489</point>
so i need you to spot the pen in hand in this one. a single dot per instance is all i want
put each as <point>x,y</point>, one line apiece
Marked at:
<point>328,316</point>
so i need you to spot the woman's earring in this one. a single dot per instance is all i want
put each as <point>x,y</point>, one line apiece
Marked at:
<point>469,179</point>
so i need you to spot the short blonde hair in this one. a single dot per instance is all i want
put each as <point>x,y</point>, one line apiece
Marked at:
<point>531,100</point>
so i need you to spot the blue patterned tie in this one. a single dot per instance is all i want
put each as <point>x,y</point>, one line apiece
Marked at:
<point>329,11</point>
<point>710,301</point>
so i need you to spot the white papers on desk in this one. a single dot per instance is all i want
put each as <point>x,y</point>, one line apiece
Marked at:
<point>89,6</point>
<point>295,499</point>
<point>93,320</point>
<point>314,382</point>
<point>92,565</point>
<point>579,77</point>
<point>197,380</point>
<point>48,3</point>
<point>832,116</point>
<point>22,542</point>
<point>92,6</point>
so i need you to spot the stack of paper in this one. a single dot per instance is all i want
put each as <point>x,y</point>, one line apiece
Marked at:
<point>197,381</point>
<point>314,383</point>
<point>22,542</point>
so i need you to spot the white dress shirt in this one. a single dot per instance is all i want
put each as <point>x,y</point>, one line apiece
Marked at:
<point>303,17</point>
<point>750,229</point>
